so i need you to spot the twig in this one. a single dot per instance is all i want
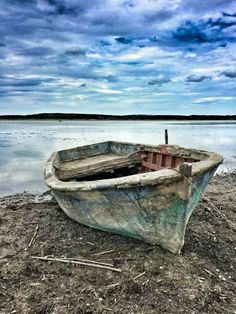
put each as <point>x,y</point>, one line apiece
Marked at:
<point>88,260</point>
<point>136,277</point>
<point>33,238</point>
<point>125,259</point>
<point>90,243</point>
<point>113,285</point>
<point>104,252</point>
<point>209,272</point>
<point>65,260</point>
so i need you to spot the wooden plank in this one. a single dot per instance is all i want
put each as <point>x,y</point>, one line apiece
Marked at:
<point>149,156</point>
<point>158,159</point>
<point>173,161</point>
<point>154,158</point>
<point>90,160</point>
<point>163,160</point>
<point>168,161</point>
<point>100,166</point>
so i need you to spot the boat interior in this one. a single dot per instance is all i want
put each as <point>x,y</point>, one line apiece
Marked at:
<point>113,159</point>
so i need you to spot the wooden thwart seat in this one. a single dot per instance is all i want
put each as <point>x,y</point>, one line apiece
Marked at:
<point>95,164</point>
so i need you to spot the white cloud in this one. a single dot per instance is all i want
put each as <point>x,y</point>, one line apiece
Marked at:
<point>212,99</point>
<point>146,53</point>
<point>108,91</point>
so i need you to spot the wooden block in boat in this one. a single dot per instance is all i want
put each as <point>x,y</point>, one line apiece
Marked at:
<point>186,169</point>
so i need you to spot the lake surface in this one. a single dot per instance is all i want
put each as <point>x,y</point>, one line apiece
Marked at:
<point>26,145</point>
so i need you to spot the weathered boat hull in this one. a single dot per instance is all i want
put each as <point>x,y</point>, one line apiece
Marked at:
<point>153,207</point>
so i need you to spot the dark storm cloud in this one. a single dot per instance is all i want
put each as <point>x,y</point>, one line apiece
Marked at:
<point>229,15</point>
<point>123,40</point>
<point>36,51</point>
<point>66,7</point>
<point>64,10</point>
<point>75,52</point>
<point>20,82</point>
<point>188,31</point>
<point>159,81</point>
<point>197,78</point>
<point>205,30</point>
<point>229,73</point>
<point>104,43</point>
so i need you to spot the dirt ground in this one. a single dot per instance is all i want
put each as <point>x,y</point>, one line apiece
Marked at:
<point>200,280</point>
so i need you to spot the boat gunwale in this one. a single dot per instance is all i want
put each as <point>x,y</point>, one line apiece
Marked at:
<point>141,179</point>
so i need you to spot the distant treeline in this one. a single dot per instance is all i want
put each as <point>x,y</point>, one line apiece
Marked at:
<point>83,116</point>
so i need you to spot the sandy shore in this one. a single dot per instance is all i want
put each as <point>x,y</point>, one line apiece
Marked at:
<point>200,280</point>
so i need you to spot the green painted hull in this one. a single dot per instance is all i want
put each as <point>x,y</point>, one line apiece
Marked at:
<point>156,211</point>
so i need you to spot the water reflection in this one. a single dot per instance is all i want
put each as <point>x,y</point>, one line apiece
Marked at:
<point>26,145</point>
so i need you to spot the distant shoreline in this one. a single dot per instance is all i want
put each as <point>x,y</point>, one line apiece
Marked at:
<point>103,117</point>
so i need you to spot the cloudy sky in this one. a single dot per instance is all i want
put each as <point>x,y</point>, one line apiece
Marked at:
<point>118,56</point>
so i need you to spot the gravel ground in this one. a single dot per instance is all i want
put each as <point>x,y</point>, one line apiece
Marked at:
<point>202,279</point>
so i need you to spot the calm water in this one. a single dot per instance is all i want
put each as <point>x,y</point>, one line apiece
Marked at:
<point>25,146</point>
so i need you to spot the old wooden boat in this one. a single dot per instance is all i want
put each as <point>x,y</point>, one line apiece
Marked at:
<point>141,191</point>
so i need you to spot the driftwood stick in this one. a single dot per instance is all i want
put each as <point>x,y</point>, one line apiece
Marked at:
<point>88,261</point>
<point>103,252</point>
<point>33,238</point>
<point>65,260</point>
